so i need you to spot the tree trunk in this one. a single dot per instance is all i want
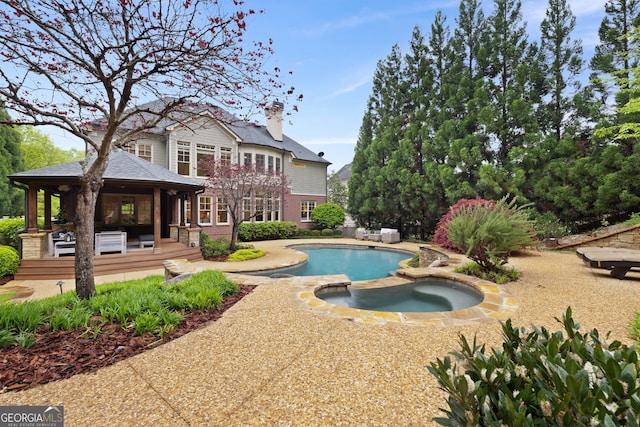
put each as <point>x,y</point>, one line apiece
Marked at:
<point>234,236</point>
<point>90,185</point>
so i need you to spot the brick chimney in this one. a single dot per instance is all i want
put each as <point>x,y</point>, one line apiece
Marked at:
<point>274,120</point>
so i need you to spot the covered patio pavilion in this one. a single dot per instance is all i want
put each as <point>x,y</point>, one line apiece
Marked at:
<point>137,197</point>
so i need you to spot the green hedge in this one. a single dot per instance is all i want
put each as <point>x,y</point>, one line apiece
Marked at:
<point>8,231</point>
<point>9,261</point>
<point>249,232</point>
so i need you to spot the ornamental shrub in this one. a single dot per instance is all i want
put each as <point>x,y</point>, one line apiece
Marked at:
<point>327,215</point>
<point>541,378</point>
<point>488,234</point>
<point>9,261</point>
<point>9,229</point>
<point>211,248</point>
<point>442,229</point>
<point>245,254</point>
<point>252,231</point>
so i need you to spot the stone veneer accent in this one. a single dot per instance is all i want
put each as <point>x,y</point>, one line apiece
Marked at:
<point>628,238</point>
<point>34,245</point>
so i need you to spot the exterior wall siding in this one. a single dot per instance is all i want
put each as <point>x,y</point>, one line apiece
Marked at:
<point>203,131</point>
<point>306,177</point>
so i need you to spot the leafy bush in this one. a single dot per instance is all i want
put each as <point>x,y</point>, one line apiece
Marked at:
<point>252,231</point>
<point>214,248</point>
<point>548,225</point>
<point>327,232</point>
<point>633,220</point>
<point>487,234</point>
<point>442,229</point>
<point>541,378</point>
<point>8,231</point>
<point>245,254</point>
<point>501,276</point>
<point>9,261</point>
<point>327,215</point>
<point>635,327</point>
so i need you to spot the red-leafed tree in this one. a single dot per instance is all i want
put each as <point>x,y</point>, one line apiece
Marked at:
<point>235,184</point>
<point>71,63</point>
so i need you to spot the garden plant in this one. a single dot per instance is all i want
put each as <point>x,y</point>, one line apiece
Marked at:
<point>541,378</point>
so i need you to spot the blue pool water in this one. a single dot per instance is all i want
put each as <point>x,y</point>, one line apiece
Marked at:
<point>358,263</point>
<point>429,295</point>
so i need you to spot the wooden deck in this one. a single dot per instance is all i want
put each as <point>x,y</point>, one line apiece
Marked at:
<point>51,268</point>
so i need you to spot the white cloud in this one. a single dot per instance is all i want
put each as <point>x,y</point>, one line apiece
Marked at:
<point>363,80</point>
<point>367,16</point>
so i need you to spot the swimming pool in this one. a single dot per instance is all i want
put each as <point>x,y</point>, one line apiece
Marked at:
<point>357,262</point>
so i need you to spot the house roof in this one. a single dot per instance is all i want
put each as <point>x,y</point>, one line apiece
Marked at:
<point>248,133</point>
<point>123,166</point>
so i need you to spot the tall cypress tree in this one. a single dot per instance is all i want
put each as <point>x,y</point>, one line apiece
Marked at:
<point>611,55</point>
<point>466,68</point>
<point>562,63</point>
<point>11,198</point>
<point>378,202</point>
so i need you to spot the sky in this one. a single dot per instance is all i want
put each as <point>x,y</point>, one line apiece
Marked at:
<point>332,48</point>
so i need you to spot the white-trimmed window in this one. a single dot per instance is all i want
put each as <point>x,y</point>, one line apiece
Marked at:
<point>141,150</point>
<point>277,165</point>
<point>204,152</point>
<point>260,205</point>
<point>247,159</point>
<point>225,155</point>
<point>270,164</point>
<point>144,151</point>
<point>306,206</point>
<point>272,212</point>
<point>184,158</point>
<point>204,210</point>
<point>246,207</point>
<point>260,163</point>
<point>223,211</point>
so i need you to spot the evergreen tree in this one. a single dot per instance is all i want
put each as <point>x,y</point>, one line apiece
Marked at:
<point>506,117</point>
<point>610,57</point>
<point>377,202</point>
<point>11,160</point>
<point>562,64</point>
<point>466,68</point>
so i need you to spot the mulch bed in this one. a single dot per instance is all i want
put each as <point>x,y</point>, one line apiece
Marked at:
<point>63,354</point>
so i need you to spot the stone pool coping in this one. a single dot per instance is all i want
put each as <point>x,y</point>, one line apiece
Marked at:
<point>496,303</point>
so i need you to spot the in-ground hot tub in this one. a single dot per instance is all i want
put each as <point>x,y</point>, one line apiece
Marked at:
<point>427,295</point>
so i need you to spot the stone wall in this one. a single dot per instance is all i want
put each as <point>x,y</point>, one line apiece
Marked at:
<point>628,238</point>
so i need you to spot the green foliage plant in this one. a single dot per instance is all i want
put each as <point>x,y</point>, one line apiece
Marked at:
<point>211,248</point>
<point>441,237</point>
<point>488,234</point>
<point>327,215</point>
<point>501,276</point>
<point>9,229</point>
<point>541,378</point>
<point>253,231</point>
<point>635,327</point>
<point>245,254</point>
<point>9,261</point>
<point>548,225</point>
<point>146,305</point>
<point>633,220</point>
